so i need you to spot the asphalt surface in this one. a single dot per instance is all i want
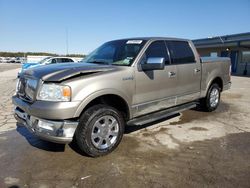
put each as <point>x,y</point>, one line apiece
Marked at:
<point>194,149</point>
<point>9,66</point>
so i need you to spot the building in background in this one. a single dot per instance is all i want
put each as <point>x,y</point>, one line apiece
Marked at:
<point>236,46</point>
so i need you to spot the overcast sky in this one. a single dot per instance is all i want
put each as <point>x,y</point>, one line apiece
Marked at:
<point>41,25</point>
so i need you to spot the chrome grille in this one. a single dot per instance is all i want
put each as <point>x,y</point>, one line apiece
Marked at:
<point>26,89</point>
<point>21,87</point>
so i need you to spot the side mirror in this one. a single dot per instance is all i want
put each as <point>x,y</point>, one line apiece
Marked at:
<point>154,63</point>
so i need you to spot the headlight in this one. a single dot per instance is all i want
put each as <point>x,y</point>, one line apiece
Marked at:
<point>54,92</point>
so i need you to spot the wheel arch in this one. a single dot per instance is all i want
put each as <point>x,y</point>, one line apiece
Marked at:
<point>218,80</point>
<point>114,99</point>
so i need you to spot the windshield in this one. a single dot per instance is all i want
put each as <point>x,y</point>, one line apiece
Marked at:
<point>43,60</point>
<point>119,52</point>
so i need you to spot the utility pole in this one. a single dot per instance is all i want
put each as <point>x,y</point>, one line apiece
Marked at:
<point>67,42</point>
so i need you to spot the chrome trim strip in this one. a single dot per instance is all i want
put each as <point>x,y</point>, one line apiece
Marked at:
<point>166,98</point>
<point>160,104</point>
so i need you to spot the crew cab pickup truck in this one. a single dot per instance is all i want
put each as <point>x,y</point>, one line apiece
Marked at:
<point>123,82</point>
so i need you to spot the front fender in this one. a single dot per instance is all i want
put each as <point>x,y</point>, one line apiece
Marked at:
<point>100,93</point>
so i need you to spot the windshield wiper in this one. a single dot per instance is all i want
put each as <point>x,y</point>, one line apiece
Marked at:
<point>98,62</point>
<point>120,64</point>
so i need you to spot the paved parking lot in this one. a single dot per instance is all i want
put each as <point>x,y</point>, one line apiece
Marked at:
<point>194,149</point>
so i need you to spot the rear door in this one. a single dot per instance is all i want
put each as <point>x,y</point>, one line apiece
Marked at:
<point>188,71</point>
<point>155,89</point>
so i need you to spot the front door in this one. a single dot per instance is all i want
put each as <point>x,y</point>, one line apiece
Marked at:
<point>155,89</point>
<point>234,60</point>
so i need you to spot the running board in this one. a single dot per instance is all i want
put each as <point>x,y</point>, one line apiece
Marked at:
<point>155,116</point>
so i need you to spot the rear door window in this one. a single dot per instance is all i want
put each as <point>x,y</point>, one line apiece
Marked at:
<point>180,52</point>
<point>157,49</point>
<point>67,60</point>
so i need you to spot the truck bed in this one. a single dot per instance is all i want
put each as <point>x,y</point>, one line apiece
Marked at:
<point>213,67</point>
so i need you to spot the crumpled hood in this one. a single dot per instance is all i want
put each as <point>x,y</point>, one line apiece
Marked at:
<point>62,71</point>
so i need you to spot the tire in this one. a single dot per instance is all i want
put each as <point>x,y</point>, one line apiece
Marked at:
<point>212,100</point>
<point>100,130</point>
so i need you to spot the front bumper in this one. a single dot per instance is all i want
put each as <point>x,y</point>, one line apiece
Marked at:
<point>47,109</point>
<point>54,131</point>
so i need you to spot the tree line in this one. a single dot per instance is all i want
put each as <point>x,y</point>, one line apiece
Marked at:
<point>25,54</point>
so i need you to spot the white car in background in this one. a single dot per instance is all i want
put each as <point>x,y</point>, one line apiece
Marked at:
<point>47,61</point>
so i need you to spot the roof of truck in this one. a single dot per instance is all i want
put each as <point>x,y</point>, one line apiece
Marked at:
<point>154,38</point>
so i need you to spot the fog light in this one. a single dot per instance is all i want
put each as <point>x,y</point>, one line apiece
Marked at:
<point>45,125</point>
<point>69,132</point>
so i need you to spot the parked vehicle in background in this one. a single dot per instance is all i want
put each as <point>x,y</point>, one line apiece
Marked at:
<point>129,81</point>
<point>19,60</point>
<point>46,61</point>
<point>7,60</point>
<point>12,59</point>
<point>3,60</point>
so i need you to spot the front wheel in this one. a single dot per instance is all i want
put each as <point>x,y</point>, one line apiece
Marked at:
<point>212,100</point>
<point>100,130</point>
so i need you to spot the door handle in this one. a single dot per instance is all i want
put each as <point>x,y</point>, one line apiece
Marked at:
<point>197,70</point>
<point>171,74</point>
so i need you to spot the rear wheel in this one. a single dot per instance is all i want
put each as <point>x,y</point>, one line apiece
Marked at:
<point>212,100</point>
<point>100,130</point>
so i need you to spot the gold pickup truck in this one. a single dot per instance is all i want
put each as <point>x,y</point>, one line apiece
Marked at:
<point>128,81</point>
